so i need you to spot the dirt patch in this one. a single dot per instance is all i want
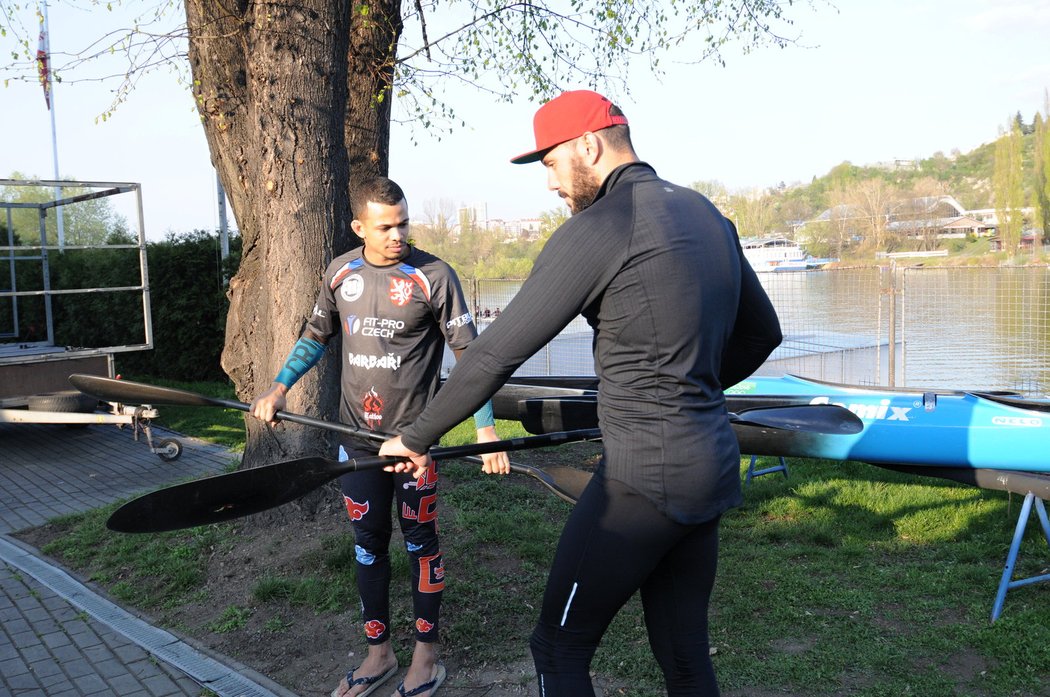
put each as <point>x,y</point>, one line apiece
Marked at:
<point>302,650</point>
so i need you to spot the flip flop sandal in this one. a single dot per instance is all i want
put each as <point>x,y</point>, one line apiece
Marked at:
<point>433,684</point>
<point>373,681</point>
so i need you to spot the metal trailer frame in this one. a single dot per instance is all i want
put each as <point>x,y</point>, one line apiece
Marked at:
<point>33,369</point>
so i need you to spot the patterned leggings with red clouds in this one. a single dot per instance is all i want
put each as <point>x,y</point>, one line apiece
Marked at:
<point>368,495</point>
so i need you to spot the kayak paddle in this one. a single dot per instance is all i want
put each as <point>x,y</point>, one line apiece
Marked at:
<point>244,492</point>
<point>564,482</point>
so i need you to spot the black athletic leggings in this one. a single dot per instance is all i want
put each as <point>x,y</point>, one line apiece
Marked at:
<point>614,543</point>
<point>368,495</point>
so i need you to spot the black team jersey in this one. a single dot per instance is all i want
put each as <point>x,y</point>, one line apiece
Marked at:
<point>677,314</point>
<point>394,322</point>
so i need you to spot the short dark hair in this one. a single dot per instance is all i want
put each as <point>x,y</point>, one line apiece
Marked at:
<point>619,136</point>
<point>378,190</point>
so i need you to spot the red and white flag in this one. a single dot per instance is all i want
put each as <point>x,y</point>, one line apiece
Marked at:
<point>43,67</point>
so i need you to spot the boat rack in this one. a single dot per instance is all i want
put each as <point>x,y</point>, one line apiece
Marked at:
<point>752,472</point>
<point>1007,583</point>
<point>1034,486</point>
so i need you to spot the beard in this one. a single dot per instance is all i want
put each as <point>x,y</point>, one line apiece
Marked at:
<point>584,187</point>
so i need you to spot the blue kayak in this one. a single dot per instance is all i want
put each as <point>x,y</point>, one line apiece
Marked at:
<point>977,430</point>
<point>902,426</point>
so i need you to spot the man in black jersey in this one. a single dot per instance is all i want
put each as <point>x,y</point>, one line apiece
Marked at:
<point>678,315</point>
<point>395,307</point>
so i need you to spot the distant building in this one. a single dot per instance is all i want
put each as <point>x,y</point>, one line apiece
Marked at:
<point>940,217</point>
<point>522,229</point>
<point>474,216</point>
<point>1026,243</point>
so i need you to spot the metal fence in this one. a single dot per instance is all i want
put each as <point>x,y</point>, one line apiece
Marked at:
<point>978,328</point>
<point>568,354</point>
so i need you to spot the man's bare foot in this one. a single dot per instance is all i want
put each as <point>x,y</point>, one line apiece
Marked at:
<point>423,688</point>
<point>424,671</point>
<point>379,665</point>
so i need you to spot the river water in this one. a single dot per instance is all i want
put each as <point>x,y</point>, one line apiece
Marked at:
<point>960,328</point>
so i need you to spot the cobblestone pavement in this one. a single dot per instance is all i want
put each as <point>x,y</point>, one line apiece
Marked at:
<point>59,637</point>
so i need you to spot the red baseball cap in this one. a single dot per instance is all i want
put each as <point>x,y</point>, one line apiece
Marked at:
<point>568,116</point>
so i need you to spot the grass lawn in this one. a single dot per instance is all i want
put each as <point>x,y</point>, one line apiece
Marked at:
<point>841,579</point>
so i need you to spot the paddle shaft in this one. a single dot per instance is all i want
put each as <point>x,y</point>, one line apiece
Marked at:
<point>817,418</point>
<point>496,446</point>
<point>141,393</point>
<point>563,483</point>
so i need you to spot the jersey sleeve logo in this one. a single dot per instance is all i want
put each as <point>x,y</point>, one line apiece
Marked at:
<point>345,271</point>
<point>418,277</point>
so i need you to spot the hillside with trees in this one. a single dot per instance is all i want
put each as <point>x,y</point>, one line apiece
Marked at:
<point>1009,175</point>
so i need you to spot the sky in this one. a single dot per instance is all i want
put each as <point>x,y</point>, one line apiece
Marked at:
<point>866,82</point>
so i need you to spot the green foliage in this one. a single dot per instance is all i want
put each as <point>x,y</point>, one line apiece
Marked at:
<point>968,177</point>
<point>535,48</point>
<point>479,253</point>
<point>83,223</point>
<point>232,619</point>
<point>172,564</point>
<point>1007,184</point>
<point>186,279</point>
<point>277,625</point>
<point>1041,167</point>
<point>189,307</point>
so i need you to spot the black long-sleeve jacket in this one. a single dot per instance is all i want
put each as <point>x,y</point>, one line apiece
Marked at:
<point>677,314</point>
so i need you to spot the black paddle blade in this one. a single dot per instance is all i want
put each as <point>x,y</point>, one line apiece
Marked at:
<point>569,413</point>
<point>225,496</point>
<point>566,483</point>
<point>809,418</point>
<point>244,492</point>
<point>110,390</point>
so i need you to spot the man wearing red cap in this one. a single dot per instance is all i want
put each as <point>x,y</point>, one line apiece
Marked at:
<point>678,315</point>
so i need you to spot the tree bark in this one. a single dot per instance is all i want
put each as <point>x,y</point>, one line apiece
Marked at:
<point>375,30</point>
<point>271,86</point>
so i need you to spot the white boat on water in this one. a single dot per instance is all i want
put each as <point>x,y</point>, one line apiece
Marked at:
<point>778,255</point>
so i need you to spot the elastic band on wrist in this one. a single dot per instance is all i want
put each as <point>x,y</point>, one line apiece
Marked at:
<point>484,416</point>
<point>305,355</point>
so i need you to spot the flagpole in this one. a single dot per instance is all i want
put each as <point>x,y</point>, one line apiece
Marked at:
<point>54,133</point>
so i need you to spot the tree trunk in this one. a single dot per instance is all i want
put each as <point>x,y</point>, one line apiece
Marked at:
<point>271,88</point>
<point>374,34</point>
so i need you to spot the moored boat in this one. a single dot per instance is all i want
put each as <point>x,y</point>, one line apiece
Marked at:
<point>778,255</point>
